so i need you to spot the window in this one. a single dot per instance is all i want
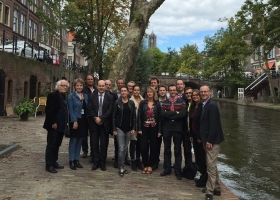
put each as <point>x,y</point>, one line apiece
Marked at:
<point>10,91</point>
<point>35,32</point>
<point>15,23</point>
<point>256,54</point>
<point>44,8</point>
<point>272,53</point>
<point>30,29</point>
<point>22,25</point>
<point>23,2</point>
<point>42,34</point>
<point>35,6</point>
<point>70,49</point>
<point>7,15</point>
<point>1,11</point>
<point>47,38</point>
<point>31,5</point>
<point>25,89</point>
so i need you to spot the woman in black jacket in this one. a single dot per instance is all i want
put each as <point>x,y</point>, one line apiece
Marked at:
<point>199,152</point>
<point>149,123</point>
<point>124,124</point>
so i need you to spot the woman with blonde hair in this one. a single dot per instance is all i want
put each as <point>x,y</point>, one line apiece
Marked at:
<point>149,125</point>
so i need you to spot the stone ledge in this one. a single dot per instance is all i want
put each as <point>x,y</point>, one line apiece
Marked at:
<point>8,150</point>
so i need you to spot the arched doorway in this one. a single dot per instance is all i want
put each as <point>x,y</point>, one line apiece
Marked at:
<point>2,91</point>
<point>33,86</point>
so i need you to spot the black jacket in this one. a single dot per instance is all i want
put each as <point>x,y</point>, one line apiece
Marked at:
<point>174,120</point>
<point>210,129</point>
<point>53,105</point>
<point>118,114</point>
<point>107,109</point>
<point>142,117</point>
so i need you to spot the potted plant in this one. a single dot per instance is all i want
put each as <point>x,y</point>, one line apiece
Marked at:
<point>24,109</point>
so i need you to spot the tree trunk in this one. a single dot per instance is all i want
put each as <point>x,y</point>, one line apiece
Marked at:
<point>141,11</point>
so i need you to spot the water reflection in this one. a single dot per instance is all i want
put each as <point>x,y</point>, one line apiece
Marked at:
<point>249,159</point>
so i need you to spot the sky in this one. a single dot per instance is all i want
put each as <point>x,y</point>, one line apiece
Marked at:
<point>180,22</point>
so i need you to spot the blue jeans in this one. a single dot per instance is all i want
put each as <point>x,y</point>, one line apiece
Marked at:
<point>74,149</point>
<point>123,140</point>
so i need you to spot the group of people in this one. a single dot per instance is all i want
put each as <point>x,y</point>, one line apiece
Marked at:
<point>186,116</point>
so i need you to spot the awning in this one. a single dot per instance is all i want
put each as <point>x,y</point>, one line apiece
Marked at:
<point>270,65</point>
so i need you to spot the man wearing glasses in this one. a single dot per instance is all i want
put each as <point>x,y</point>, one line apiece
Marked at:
<point>211,135</point>
<point>55,123</point>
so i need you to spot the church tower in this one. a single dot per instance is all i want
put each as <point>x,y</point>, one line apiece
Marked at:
<point>152,40</point>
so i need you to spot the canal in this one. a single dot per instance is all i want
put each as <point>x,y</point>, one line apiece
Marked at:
<point>249,160</point>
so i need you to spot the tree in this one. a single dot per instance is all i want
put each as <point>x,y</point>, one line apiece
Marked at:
<point>157,59</point>
<point>226,53</point>
<point>98,25</point>
<point>140,13</point>
<point>261,21</point>
<point>189,60</point>
<point>144,63</point>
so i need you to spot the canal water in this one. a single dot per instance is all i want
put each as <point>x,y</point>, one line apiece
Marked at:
<point>249,160</point>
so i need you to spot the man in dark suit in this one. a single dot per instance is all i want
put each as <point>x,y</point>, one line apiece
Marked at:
<point>55,123</point>
<point>211,135</point>
<point>99,109</point>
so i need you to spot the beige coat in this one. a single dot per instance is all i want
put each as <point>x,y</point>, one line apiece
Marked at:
<point>134,136</point>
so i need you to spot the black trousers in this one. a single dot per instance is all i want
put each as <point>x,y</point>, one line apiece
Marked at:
<point>99,141</point>
<point>187,149</point>
<point>177,140</point>
<point>200,159</point>
<point>54,140</point>
<point>148,145</point>
<point>159,142</point>
<point>85,144</point>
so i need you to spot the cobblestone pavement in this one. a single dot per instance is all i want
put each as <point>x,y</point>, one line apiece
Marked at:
<point>23,175</point>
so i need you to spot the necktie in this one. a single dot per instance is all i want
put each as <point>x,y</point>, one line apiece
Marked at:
<point>100,105</point>
<point>202,112</point>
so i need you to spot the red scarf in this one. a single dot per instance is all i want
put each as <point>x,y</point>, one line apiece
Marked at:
<point>172,101</point>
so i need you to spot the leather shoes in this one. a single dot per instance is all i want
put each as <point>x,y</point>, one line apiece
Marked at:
<point>95,167</point>
<point>216,193</point>
<point>51,169</point>
<point>103,167</point>
<point>208,197</point>
<point>57,166</point>
<point>77,163</point>
<point>165,172</point>
<point>72,165</point>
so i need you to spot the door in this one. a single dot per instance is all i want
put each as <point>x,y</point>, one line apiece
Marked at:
<point>32,88</point>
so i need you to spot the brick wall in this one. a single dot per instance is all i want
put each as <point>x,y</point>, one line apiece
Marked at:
<point>19,70</point>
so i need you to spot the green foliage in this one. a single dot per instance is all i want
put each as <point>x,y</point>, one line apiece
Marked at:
<point>25,106</point>
<point>189,60</point>
<point>157,59</point>
<point>143,66</point>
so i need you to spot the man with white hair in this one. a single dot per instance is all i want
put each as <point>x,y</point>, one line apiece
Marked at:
<point>56,124</point>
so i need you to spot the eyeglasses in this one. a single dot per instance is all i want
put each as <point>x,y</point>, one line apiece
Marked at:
<point>195,95</point>
<point>204,91</point>
<point>63,85</point>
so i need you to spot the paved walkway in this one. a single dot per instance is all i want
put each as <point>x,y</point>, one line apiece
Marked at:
<point>23,176</point>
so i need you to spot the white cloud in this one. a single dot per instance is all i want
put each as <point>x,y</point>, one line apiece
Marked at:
<point>188,17</point>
